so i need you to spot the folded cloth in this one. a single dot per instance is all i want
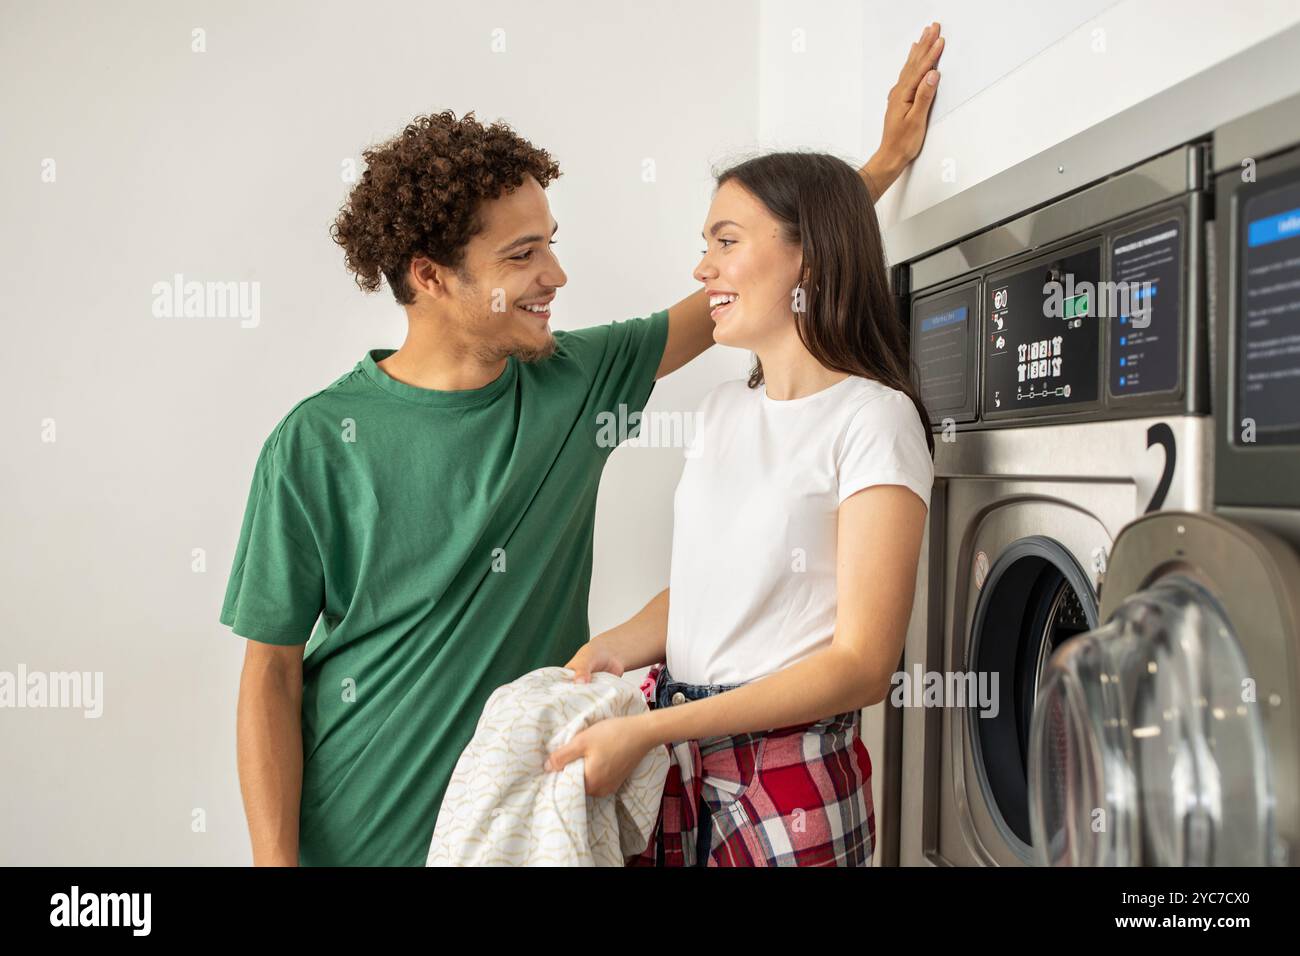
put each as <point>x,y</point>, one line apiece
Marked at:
<point>502,808</point>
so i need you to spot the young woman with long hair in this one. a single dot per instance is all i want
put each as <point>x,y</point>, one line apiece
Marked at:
<point>797,529</point>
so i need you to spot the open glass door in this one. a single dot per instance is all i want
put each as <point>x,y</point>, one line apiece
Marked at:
<point>1153,736</point>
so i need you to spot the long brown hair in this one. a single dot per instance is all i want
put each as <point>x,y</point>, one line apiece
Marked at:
<point>849,322</point>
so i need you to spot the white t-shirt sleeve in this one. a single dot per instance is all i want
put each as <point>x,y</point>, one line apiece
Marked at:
<point>884,444</point>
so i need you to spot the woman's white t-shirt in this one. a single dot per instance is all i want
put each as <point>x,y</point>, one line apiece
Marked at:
<point>755,519</point>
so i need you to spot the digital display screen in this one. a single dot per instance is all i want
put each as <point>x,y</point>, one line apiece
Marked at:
<point>1144,306</point>
<point>1268,318</point>
<point>1041,340</point>
<point>943,342</point>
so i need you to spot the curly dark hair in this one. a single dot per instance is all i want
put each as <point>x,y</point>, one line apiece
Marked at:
<point>421,192</point>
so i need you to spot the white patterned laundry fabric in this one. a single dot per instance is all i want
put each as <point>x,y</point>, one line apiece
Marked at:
<point>502,808</point>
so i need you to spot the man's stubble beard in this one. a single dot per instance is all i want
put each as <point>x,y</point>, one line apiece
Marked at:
<point>489,354</point>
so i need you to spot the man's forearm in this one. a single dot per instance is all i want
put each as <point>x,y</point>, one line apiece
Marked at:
<point>269,743</point>
<point>640,640</point>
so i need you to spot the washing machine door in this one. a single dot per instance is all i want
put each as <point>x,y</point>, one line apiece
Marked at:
<point>1160,738</point>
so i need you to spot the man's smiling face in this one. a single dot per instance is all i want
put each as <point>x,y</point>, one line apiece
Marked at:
<point>509,276</point>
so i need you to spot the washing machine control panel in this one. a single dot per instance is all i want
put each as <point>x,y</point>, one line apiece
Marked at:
<point>1268,347</point>
<point>945,336</point>
<point>1042,335</point>
<point>1092,308</point>
<point>1144,310</point>
<point>1257,384</point>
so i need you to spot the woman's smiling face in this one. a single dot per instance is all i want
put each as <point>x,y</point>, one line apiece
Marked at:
<point>749,270</point>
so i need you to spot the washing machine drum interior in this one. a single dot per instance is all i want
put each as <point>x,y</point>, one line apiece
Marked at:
<point>1034,600</point>
<point>1143,750</point>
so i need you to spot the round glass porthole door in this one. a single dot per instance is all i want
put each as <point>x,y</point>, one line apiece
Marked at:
<point>1143,750</point>
<point>1035,599</point>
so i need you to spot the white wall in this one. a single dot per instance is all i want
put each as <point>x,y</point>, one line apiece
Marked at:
<point>226,165</point>
<point>810,92</point>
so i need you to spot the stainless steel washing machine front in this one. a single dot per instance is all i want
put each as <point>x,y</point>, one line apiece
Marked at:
<point>1060,417</point>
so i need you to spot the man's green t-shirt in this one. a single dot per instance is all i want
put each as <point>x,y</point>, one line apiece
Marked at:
<point>444,540</point>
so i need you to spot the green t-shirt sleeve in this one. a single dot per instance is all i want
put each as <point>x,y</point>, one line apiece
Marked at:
<point>620,360</point>
<point>277,585</point>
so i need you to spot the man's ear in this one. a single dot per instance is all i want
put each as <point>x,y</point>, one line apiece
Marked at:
<point>431,278</point>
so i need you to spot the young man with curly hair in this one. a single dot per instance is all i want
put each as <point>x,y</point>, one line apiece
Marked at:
<point>434,506</point>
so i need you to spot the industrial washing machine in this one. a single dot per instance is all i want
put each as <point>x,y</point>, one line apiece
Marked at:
<point>1171,735</point>
<point>1063,357</point>
<point>1100,476</point>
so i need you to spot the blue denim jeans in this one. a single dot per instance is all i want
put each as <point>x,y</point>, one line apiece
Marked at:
<point>666,691</point>
<point>666,687</point>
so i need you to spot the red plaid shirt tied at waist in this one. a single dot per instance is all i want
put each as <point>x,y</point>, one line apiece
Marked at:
<point>795,796</point>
